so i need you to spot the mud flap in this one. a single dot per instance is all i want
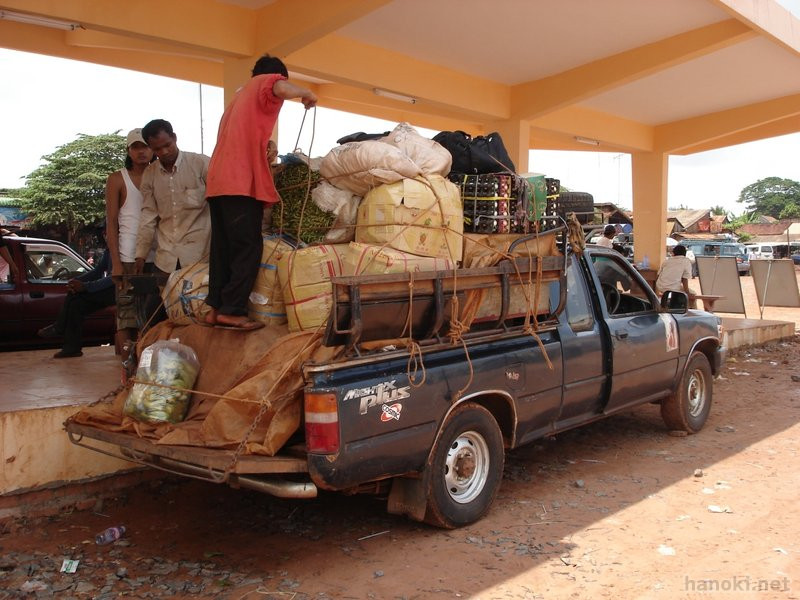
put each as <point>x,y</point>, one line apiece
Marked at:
<point>408,497</point>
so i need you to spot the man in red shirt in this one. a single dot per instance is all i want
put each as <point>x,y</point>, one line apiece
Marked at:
<point>238,185</point>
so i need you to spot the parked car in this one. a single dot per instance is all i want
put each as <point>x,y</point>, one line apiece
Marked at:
<point>34,299</point>
<point>765,251</point>
<point>717,248</point>
<point>796,258</point>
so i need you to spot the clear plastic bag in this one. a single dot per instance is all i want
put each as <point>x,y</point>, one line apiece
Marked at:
<point>168,363</point>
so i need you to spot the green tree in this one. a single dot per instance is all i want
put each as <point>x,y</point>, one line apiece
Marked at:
<point>771,196</point>
<point>718,210</point>
<point>69,188</point>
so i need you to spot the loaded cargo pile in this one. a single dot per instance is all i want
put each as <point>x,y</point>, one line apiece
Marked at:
<point>368,208</point>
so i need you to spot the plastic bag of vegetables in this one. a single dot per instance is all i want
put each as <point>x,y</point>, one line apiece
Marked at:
<point>168,363</point>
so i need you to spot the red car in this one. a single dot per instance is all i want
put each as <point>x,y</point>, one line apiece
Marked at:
<point>34,300</point>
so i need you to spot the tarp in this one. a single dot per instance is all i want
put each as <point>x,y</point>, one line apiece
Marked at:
<point>248,369</point>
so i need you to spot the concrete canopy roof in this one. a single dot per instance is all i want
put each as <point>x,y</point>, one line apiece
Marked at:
<point>620,75</point>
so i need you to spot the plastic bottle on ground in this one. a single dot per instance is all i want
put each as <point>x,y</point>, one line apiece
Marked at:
<point>112,534</point>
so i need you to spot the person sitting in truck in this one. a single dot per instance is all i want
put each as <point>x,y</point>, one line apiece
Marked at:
<point>89,292</point>
<point>7,264</point>
<point>607,239</point>
<point>675,273</point>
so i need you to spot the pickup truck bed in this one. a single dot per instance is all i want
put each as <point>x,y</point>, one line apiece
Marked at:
<point>434,436</point>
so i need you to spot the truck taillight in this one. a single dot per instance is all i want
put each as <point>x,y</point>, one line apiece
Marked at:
<point>322,423</point>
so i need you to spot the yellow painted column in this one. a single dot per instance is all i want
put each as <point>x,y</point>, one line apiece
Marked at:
<point>236,72</point>
<point>650,206</point>
<point>516,136</point>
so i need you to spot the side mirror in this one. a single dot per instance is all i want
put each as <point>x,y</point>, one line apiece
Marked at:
<point>675,302</point>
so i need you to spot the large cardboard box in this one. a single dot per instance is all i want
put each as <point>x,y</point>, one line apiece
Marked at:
<point>305,279</point>
<point>363,259</point>
<point>265,303</point>
<point>411,216</point>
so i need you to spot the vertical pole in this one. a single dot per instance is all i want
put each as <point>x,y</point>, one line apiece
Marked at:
<point>201,118</point>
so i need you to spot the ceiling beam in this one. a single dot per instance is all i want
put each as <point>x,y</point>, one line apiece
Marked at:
<point>442,91</point>
<point>88,38</point>
<point>785,126</point>
<point>51,42</point>
<point>612,132</point>
<point>767,17</point>
<point>675,137</point>
<point>283,29</point>
<point>364,102</point>
<point>221,28</point>
<point>535,98</point>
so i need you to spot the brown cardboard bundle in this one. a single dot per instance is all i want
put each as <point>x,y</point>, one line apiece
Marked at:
<point>304,277</point>
<point>485,250</point>
<point>363,259</point>
<point>266,300</point>
<point>422,216</point>
<point>185,294</point>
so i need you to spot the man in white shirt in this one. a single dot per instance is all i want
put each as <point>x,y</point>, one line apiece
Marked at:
<point>675,273</point>
<point>607,239</point>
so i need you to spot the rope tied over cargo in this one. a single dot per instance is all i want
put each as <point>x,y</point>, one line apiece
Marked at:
<point>415,362</point>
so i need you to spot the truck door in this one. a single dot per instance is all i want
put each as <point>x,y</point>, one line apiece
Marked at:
<point>582,349</point>
<point>641,342</point>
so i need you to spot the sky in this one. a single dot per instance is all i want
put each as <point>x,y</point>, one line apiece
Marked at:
<point>45,102</point>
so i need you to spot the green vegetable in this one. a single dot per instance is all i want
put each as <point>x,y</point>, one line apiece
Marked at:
<point>168,363</point>
<point>292,185</point>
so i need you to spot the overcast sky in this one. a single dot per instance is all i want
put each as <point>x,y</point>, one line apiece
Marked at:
<point>46,102</point>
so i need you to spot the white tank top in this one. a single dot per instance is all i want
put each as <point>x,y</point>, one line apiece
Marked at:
<point>129,215</point>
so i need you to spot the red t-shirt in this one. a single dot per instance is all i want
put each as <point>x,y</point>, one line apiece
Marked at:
<point>239,164</point>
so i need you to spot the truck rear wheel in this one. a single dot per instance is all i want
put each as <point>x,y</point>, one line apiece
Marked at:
<point>465,469</point>
<point>688,407</point>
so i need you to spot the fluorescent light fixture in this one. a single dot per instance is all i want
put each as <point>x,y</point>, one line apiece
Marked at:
<point>43,21</point>
<point>394,96</point>
<point>589,141</point>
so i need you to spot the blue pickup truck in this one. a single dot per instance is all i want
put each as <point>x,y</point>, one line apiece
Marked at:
<point>430,429</point>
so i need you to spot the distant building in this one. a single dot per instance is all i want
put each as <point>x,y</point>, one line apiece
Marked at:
<point>689,221</point>
<point>11,214</point>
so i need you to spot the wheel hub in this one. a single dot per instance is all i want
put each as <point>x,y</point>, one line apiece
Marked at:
<point>696,393</point>
<point>466,468</point>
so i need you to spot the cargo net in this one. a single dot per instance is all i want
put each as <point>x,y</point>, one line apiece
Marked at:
<point>507,203</point>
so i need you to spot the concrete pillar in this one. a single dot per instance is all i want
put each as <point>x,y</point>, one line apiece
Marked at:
<point>516,136</point>
<point>650,206</point>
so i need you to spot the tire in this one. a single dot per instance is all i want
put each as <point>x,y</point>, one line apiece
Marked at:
<point>471,441</point>
<point>688,407</point>
<point>580,203</point>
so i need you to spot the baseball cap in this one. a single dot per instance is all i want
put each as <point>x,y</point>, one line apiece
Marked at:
<point>135,135</point>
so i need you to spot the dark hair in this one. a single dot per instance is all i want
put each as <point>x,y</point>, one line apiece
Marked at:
<point>679,250</point>
<point>154,127</point>
<point>609,229</point>
<point>269,65</point>
<point>129,160</point>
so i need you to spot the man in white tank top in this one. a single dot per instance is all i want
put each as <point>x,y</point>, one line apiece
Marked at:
<point>123,212</point>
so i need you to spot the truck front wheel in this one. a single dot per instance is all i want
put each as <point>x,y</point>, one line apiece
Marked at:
<point>688,407</point>
<point>465,469</point>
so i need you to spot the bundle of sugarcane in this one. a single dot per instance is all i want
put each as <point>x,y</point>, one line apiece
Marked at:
<point>296,204</point>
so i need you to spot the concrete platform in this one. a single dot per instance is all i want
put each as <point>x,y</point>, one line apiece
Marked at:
<point>38,393</point>
<point>751,332</point>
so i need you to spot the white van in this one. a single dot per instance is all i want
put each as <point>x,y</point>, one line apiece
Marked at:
<point>760,250</point>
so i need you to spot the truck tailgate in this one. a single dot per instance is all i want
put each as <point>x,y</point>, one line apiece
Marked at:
<point>211,462</point>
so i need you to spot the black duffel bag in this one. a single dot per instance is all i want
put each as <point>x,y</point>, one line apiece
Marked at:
<point>482,154</point>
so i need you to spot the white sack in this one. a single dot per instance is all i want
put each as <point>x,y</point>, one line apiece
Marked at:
<point>361,166</point>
